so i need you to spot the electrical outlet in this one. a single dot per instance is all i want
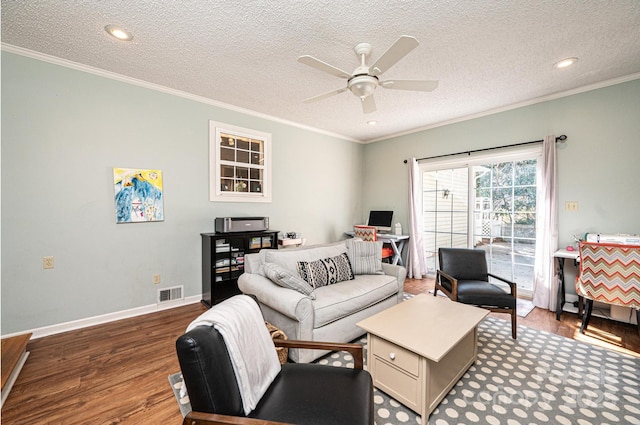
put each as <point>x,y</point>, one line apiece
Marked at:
<point>156,278</point>
<point>571,206</point>
<point>47,262</point>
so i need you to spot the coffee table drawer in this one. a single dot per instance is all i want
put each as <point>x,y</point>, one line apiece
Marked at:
<point>400,385</point>
<point>395,355</point>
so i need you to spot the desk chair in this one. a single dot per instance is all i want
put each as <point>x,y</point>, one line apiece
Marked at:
<point>609,273</point>
<point>464,278</point>
<point>301,393</point>
<point>370,234</point>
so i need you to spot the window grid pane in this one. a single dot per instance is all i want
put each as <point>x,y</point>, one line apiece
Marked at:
<point>242,163</point>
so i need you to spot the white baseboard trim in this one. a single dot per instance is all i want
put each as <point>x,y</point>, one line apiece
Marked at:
<point>105,318</point>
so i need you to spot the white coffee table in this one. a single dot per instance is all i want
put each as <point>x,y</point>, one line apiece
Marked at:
<point>420,348</point>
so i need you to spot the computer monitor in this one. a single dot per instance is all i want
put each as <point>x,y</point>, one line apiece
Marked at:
<point>381,220</point>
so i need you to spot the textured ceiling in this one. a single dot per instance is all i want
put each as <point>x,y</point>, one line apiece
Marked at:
<point>486,54</point>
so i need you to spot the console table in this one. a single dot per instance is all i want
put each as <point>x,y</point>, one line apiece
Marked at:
<point>561,255</point>
<point>397,243</point>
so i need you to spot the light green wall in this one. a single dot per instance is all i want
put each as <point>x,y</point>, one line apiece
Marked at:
<point>64,130</point>
<point>598,166</point>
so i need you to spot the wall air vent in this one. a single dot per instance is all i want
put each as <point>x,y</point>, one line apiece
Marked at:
<point>170,294</point>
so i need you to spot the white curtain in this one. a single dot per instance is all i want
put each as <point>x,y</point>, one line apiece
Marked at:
<point>545,284</point>
<point>416,264</point>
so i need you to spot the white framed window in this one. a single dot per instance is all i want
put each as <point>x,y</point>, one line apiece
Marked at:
<point>239,164</point>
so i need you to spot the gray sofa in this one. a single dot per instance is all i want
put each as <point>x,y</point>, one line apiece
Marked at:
<point>328,313</point>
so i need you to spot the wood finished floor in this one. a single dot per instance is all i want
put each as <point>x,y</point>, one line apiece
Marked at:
<point>117,372</point>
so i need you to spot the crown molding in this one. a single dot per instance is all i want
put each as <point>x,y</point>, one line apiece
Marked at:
<point>530,102</point>
<point>201,99</point>
<point>157,87</point>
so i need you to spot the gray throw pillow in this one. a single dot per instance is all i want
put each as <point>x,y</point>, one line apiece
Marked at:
<point>287,279</point>
<point>326,271</point>
<point>365,256</point>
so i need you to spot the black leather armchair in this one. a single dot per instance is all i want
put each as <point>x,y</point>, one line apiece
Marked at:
<point>463,277</point>
<point>308,393</point>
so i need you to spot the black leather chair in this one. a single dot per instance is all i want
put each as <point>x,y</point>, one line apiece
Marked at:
<point>307,393</point>
<point>463,277</point>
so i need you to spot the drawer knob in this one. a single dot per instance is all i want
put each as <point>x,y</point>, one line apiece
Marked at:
<point>392,356</point>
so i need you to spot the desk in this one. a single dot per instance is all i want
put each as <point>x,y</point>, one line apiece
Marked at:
<point>396,241</point>
<point>288,242</point>
<point>560,255</point>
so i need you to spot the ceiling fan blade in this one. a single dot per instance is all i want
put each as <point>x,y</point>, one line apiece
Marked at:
<point>323,66</point>
<point>415,85</point>
<point>368,104</point>
<point>324,96</point>
<point>397,51</point>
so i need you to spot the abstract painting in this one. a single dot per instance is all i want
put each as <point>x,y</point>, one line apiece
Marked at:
<point>138,195</point>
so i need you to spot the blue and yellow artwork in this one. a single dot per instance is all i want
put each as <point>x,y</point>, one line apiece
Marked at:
<point>138,195</point>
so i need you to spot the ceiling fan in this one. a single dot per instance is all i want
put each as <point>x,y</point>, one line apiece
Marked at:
<point>363,81</point>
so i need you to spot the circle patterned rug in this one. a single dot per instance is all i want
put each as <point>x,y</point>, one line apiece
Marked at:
<point>540,378</point>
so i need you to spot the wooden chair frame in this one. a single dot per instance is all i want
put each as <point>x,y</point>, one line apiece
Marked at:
<point>453,295</point>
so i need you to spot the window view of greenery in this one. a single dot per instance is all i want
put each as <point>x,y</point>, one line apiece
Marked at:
<point>505,217</point>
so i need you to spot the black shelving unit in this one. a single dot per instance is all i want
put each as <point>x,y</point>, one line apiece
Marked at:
<point>223,261</point>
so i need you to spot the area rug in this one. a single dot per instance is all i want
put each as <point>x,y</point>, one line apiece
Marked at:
<point>539,378</point>
<point>523,307</point>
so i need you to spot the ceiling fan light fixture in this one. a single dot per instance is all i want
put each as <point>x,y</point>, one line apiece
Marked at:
<point>364,80</point>
<point>119,33</point>
<point>363,85</point>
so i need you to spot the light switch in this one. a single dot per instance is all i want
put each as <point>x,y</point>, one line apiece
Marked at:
<point>571,206</point>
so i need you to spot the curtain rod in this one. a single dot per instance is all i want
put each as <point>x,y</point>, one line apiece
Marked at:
<point>561,138</point>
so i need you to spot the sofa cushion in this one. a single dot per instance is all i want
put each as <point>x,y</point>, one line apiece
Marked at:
<point>288,258</point>
<point>254,263</point>
<point>334,302</point>
<point>287,279</point>
<point>326,271</point>
<point>365,257</point>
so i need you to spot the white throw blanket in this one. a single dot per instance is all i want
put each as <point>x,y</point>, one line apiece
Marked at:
<point>253,355</point>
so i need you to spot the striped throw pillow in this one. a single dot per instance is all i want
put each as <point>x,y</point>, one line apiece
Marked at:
<point>287,279</point>
<point>365,257</point>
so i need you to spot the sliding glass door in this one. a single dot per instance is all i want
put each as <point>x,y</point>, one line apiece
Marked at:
<point>490,204</point>
<point>445,200</point>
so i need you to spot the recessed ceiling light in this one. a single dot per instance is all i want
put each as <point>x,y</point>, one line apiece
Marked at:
<point>119,33</point>
<point>372,122</point>
<point>565,63</point>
